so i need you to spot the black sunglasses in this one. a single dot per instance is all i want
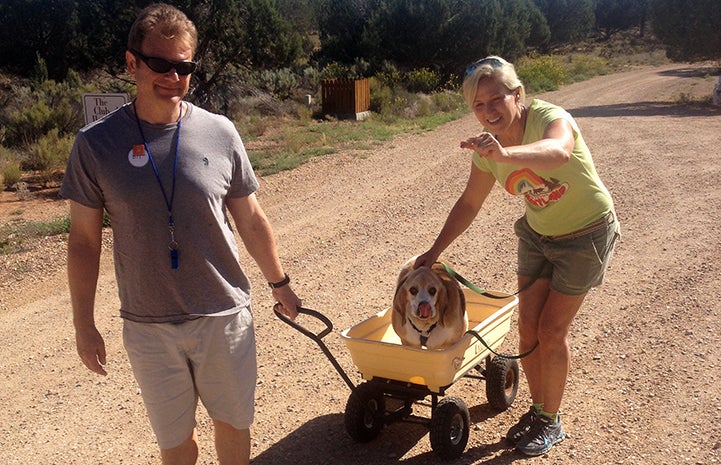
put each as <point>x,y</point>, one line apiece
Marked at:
<point>492,62</point>
<point>162,66</point>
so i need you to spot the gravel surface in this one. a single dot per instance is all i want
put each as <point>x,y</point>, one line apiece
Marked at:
<point>644,387</point>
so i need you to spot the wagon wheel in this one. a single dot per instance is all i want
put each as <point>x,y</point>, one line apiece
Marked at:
<point>449,428</point>
<point>364,413</point>
<point>501,382</point>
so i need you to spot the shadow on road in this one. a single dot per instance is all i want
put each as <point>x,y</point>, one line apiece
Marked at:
<point>691,72</point>
<point>642,109</point>
<point>323,441</point>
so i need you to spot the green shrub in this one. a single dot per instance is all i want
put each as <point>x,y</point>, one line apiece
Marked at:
<point>252,126</point>
<point>448,101</point>
<point>541,73</point>
<point>389,76</point>
<point>422,80</point>
<point>381,94</point>
<point>311,78</point>
<point>29,124</point>
<point>11,174</point>
<point>304,113</point>
<point>49,154</point>
<point>280,83</point>
<point>33,111</point>
<point>582,67</point>
<point>14,234</point>
<point>334,70</point>
<point>293,141</point>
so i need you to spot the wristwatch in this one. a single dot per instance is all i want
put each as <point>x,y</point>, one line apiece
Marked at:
<point>280,283</point>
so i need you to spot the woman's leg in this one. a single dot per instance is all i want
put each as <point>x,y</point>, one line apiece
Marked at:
<point>544,318</point>
<point>553,351</point>
<point>548,366</point>
<point>530,305</point>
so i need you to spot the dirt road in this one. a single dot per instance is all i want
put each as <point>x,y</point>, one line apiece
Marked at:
<point>644,388</point>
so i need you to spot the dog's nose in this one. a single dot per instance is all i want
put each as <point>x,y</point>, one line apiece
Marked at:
<point>425,310</point>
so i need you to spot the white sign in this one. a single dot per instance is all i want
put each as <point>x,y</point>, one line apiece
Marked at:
<point>98,105</point>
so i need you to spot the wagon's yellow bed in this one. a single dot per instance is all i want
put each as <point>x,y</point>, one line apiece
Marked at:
<point>377,352</point>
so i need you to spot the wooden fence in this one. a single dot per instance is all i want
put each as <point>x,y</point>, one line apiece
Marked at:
<point>345,97</point>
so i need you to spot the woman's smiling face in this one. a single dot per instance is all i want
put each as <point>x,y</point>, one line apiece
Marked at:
<point>496,107</point>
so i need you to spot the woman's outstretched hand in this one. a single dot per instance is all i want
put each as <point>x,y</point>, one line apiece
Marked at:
<point>427,259</point>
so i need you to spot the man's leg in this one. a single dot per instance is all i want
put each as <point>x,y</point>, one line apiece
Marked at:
<point>232,445</point>
<point>184,454</point>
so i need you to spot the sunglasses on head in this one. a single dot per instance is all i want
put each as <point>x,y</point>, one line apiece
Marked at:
<point>492,62</point>
<point>162,66</point>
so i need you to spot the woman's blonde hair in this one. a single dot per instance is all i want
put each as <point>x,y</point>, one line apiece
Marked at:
<point>493,67</point>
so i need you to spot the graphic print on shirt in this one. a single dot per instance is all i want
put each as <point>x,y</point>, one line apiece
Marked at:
<point>537,190</point>
<point>137,156</point>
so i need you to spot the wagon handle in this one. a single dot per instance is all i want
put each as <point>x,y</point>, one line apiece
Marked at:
<point>307,311</point>
<point>317,337</point>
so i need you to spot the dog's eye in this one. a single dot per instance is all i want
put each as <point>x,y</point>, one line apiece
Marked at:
<point>432,291</point>
<point>413,290</point>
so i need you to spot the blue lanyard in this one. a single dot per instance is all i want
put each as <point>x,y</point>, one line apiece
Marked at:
<point>173,245</point>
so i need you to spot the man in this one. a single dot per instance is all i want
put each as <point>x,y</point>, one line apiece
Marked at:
<point>167,172</point>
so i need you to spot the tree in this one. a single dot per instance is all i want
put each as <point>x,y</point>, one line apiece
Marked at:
<point>491,27</point>
<point>239,34</point>
<point>406,32</point>
<point>522,25</point>
<point>618,15</point>
<point>38,27</point>
<point>689,29</point>
<point>472,31</point>
<point>342,24</point>
<point>303,14</point>
<point>104,26</point>
<point>568,20</point>
<point>92,34</point>
<point>443,34</point>
<point>540,32</point>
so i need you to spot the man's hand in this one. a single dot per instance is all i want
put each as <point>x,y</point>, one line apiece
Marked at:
<point>91,349</point>
<point>289,302</point>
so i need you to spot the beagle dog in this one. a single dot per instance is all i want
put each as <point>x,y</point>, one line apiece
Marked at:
<point>429,307</point>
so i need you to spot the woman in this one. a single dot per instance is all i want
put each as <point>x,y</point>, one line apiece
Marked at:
<point>566,235</point>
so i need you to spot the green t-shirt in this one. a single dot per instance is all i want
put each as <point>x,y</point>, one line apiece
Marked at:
<point>561,200</point>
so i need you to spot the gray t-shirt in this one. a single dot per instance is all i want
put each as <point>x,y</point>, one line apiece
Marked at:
<point>110,168</point>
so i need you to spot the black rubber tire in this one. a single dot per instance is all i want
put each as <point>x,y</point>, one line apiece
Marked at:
<point>364,413</point>
<point>501,382</point>
<point>450,427</point>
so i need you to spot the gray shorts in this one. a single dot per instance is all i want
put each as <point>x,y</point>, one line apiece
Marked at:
<point>573,262</point>
<point>212,358</point>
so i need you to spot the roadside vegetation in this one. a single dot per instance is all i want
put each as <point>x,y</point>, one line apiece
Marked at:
<point>280,136</point>
<point>263,63</point>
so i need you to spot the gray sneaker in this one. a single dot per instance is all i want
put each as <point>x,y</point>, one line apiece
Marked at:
<point>542,435</point>
<point>517,431</point>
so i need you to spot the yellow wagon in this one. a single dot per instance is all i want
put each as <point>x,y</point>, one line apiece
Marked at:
<point>397,377</point>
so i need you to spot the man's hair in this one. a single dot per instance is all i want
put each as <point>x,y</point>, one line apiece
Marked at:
<point>164,20</point>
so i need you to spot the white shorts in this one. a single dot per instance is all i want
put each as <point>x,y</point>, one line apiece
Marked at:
<point>213,358</point>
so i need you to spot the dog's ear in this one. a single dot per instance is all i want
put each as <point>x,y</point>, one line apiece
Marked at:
<point>405,271</point>
<point>399,301</point>
<point>452,298</point>
<point>400,298</point>
<point>443,302</point>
